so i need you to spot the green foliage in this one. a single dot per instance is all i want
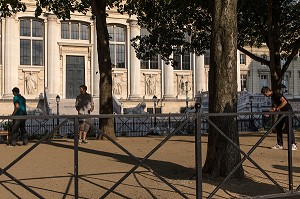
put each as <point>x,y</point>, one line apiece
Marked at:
<point>253,19</point>
<point>8,7</point>
<point>168,22</point>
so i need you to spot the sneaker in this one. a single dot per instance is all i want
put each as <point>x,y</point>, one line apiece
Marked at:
<point>80,142</point>
<point>10,145</point>
<point>294,147</point>
<point>85,141</point>
<point>277,146</point>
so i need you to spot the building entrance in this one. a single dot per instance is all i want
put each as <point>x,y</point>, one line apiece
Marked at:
<point>75,75</point>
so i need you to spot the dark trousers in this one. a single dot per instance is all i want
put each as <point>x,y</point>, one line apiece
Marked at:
<point>279,129</point>
<point>18,125</point>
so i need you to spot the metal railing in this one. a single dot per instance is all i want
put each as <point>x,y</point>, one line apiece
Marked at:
<point>176,123</point>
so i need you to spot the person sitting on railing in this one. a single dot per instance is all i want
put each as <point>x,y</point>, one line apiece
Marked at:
<point>280,103</point>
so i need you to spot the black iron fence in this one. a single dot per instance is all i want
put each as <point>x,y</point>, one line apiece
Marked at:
<point>141,125</point>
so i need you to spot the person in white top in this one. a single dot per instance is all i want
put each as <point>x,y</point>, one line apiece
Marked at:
<point>84,105</point>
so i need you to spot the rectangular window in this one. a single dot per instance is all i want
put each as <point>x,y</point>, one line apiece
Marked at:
<point>37,52</point>
<point>244,82</point>
<point>177,61</point>
<point>84,32</point>
<point>25,52</point>
<point>186,61</point>
<point>120,55</point>
<point>110,30</point>
<point>154,63</point>
<point>264,80</point>
<point>74,31</point>
<point>144,64</point>
<point>242,59</point>
<point>65,31</point>
<point>25,27</point>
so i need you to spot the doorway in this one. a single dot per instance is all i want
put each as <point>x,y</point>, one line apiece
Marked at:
<point>74,75</point>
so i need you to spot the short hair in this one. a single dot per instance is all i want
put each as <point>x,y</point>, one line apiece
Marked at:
<point>16,90</point>
<point>265,89</point>
<point>83,86</point>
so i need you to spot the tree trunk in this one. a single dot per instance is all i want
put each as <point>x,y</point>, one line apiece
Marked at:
<point>105,84</point>
<point>222,156</point>
<point>274,44</point>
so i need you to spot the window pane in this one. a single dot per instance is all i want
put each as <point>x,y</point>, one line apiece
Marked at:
<point>25,27</point>
<point>186,61</point>
<point>112,54</point>
<point>74,31</point>
<point>65,31</point>
<point>111,33</point>
<point>242,59</point>
<point>37,52</point>
<point>154,63</point>
<point>120,34</point>
<point>144,64</point>
<point>177,61</point>
<point>37,29</point>
<point>84,32</point>
<point>120,55</point>
<point>25,52</point>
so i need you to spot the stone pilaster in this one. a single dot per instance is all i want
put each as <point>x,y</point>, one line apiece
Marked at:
<point>54,58</point>
<point>168,81</point>
<point>135,80</point>
<point>11,56</point>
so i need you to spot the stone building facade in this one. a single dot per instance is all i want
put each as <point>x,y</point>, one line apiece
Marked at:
<point>46,52</point>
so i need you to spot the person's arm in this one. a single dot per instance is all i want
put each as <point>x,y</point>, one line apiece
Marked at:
<point>16,108</point>
<point>92,104</point>
<point>283,103</point>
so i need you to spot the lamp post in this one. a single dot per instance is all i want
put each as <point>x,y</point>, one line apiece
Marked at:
<point>186,95</point>
<point>154,108</point>
<point>57,99</point>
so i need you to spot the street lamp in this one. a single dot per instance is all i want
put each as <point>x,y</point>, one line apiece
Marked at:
<point>57,99</point>
<point>154,110</point>
<point>198,102</point>
<point>186,95</point>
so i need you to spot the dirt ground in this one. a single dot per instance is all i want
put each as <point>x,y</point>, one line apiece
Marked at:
<point>48,169</point>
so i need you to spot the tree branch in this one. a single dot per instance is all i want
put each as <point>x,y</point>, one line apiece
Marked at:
<point>252,56</point>
<point>291,56</point>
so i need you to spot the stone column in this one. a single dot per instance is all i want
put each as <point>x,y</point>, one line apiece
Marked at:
<point>135,81</point>
<point>168,81</point>
<point>11,56</point>
<point>54,58</point>
<point>95,64</point>
<point>199,74</point>
<point>238,72</point>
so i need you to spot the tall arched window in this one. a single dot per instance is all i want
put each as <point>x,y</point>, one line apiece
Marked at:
<point>117,44</point>
<point>31,42</point>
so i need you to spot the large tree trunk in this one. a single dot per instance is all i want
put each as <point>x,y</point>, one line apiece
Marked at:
<point>105,84</point>
<point>274,44</point>
<point>222,156</point>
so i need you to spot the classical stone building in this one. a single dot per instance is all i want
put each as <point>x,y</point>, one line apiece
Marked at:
<point>46,52</point>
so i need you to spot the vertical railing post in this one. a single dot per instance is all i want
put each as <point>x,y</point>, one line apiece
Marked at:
<point>198,153</point>
<point>290,161</point>
<point>76,131</point>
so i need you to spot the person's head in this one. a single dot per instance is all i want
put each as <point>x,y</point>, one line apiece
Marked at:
<point>266,91</point>
<point>16,90</point>
<point>82,89</point>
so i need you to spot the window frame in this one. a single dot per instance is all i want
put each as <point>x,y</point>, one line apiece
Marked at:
<point>32,56</point>
<point>69,33</point>
<point>117,46</point>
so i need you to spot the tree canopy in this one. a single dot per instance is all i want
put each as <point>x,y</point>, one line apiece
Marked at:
<point>271,22</point>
